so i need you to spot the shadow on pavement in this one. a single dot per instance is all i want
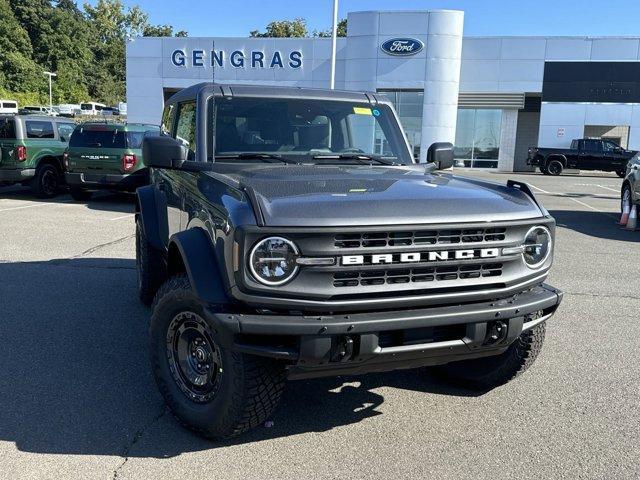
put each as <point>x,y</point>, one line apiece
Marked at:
<point>104,201</point>
<point>75,377</point>
<point>594,224</point>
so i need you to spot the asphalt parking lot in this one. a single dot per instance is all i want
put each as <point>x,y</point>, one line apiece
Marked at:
<point>78,399</point>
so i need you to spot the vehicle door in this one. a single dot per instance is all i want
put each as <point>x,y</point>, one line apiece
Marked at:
<point>172,183</point>
<point>573,154</point>
<point>590,154</point>
<point>613,159</point>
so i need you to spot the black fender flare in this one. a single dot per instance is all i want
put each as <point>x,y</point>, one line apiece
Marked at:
<point>201,264</point>
<point>147,211</point>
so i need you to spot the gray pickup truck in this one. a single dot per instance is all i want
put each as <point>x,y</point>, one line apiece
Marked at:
<point>288,233</point>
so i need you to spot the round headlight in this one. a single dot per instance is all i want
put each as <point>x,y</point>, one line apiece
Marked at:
<point>273,261</point>
<point>537,246</point>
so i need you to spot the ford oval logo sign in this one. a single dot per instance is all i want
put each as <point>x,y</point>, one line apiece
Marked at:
<point>402,46</point>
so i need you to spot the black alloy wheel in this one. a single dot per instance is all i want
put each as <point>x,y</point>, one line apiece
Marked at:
<point>194,358</point>
<point>46,182</point>
<point>554,167</point>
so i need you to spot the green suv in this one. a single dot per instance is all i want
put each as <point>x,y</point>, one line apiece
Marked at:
<point>106,156</point>
<point>31,151</point>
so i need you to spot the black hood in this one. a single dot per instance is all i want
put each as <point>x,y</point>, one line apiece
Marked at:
<point>316,196</point>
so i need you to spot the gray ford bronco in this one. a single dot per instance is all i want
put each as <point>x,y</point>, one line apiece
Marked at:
<point>288,233</point>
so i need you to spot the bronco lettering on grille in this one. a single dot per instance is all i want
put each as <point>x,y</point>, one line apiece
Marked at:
<point>417,257</point>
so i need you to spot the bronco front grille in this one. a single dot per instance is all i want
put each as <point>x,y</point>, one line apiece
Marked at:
<point>416,275</point>
<point>419,237</point>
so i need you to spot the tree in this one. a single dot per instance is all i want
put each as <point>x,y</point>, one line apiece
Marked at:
<point>284,28</point>
<point>162,31</point>
<point>85,47</point>
<point>297,28</point>
<point>341,30</point>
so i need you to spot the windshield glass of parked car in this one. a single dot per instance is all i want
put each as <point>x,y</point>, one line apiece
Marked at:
<point>301,130</point>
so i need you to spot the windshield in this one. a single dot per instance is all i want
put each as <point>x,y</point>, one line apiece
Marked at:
<point>309,131</point>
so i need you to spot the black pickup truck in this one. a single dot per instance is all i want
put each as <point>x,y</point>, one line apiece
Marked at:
<point>584,154</point>
<point>289,233</point>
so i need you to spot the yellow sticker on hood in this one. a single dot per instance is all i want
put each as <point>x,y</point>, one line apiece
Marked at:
<point>362,111</point>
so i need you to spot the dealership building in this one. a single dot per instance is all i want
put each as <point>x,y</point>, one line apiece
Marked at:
<point>492,97</point>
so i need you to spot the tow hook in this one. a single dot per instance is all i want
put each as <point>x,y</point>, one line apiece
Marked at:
<point>496,332</point>
<point>343,349</point>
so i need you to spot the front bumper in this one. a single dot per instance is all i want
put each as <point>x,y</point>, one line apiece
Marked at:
<point>99,181</point>
<point>312,346</point>
<point>16,175</point>
<point>534,162</point>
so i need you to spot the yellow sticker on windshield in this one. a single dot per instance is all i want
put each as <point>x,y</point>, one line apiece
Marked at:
<point>362,111</point>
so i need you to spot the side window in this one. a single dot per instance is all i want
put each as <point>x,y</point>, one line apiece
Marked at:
<point>167,118</point>
<point>186,126</point>
<point>65,130</point>
<point>38,129</point>
<point>592,145</point>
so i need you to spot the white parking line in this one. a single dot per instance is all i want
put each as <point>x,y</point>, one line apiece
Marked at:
<point>609,188</point>
<point>123,216</point>
<point>538,188</point>
<point>576,200</point>
<point>33,205</point>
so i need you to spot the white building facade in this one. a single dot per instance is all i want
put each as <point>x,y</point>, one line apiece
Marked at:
<point>492,97</point>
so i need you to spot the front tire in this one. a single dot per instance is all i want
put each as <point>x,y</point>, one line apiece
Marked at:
<point>490,372</point>
<point>150,267</point>
<point>212,390</point>
<point>46,182</point>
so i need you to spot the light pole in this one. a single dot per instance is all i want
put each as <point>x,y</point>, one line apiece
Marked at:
<point>50,74</point>
<point>334,34</point>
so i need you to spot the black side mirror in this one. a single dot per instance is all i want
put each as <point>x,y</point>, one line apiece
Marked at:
<point>441,154</point>
<point>163,152</point>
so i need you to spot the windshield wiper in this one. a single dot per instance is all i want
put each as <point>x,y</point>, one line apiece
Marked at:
<point>255,156</point>
<point>361,158</point>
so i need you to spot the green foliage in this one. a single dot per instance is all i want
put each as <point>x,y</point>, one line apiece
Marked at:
<point>297,28</point>
<point>284,28</point>
<point>341,30</point>
<point>86,48</point>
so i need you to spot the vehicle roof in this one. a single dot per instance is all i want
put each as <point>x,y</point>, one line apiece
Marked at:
<point>269,91</point>
<point>37,117</point>
<point>127,127</point>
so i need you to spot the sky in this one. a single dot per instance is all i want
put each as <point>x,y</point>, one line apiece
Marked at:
<point>236,18</point>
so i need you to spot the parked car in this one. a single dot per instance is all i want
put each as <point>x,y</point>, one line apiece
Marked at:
<point>91,108</point>
<point>630,191</point>
<point>110,111</point>
<point>584,154</point>
<point>8,106</point>
<point>276,243</point>
<point>68,110</point>
<point>31,151</point>
<point>106,156</point>
<point>37,110</point>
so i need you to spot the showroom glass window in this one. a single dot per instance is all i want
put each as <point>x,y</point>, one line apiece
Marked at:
<point>408,104</point>
<point>478,137</point>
